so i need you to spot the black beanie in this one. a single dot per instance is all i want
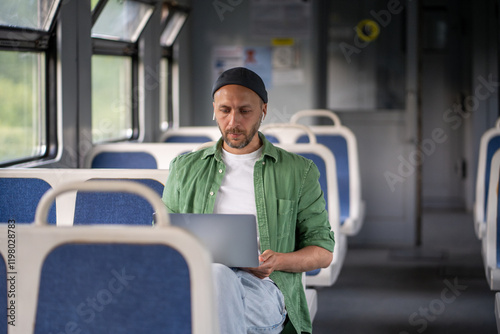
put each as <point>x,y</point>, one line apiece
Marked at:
<point>243,77</point>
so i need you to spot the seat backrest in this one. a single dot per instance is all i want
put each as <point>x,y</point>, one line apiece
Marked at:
<point>319,154</point>
<point>136,155</point>
<point>191,134</point>
<point>325,161</point>
<point>338,146</point>
<point>132,279</point>
<point>115,208</point>
<point>114,287</point>
<point>490,244</point>
<point>3,296</point>
<point>65,207</point>
<point>131,159</point>
<point>489,144</point>
<point>342,142</point>
<point>19,197</point>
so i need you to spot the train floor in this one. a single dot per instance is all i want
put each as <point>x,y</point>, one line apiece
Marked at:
<point>437,288</point>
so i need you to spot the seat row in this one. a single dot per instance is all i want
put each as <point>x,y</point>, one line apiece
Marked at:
<point>77,208</point>
<point>490,233</point>
<point>23,189</point>
<point>104,278</point>
<point>104,208</point>
<point>486,213</point>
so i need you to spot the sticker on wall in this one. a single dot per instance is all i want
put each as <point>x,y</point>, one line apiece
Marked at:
<point>224,58</point>
<point>258,59</point>
<point>285,59</point>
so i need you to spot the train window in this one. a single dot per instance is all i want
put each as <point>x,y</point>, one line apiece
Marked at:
<point>30,14</point>
<point>122,20</point>
<point>174,21</point>
<point>93,3</point>
<point>22,111</point>
<point>173,18</point>
<point>26,28</point>
<point>117,26</point>
<point>111,98</point>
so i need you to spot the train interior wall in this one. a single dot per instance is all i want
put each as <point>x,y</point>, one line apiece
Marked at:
<point>432,78</point>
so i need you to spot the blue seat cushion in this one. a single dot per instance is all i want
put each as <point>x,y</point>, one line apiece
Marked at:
<point>115,208</point>
<point>19,199</point>
<point>187,139</point>
<point>313,272</point>
<point>338,145</point>
<point>133,160</point>
<point>320,163</point>
<point>114,288</point>
<point>492,147</point>
<point>272,139</point>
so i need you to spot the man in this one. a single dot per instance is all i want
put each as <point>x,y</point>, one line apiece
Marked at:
<point>245,174</point>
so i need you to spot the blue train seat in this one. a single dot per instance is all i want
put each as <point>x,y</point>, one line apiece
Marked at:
<point>65,205</point>
<point>491,237</point>
<point>121,280</point>
<point>19,197</point>
<point>135,289</point>
<point>115,208</point>
<point>489,144</point>
<point>342,142</point>
<point>141,160</point>
<point>136,155</point>
<point>325,161</point>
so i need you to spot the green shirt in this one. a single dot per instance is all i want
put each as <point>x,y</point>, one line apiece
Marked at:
<point>290,206</point>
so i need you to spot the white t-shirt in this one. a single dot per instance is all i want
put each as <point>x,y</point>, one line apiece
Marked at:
<point>236,194</point>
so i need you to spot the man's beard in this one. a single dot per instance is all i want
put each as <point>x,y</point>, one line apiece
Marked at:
<point>247,138</point>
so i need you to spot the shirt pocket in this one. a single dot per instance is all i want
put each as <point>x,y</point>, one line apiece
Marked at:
<point>286,217</point>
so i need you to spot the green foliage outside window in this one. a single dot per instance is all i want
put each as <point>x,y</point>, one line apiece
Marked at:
<point>22,107</point>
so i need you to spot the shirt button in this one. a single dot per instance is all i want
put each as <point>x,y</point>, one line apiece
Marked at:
<point>220,170</point>
<point>211,193</point>
<point>263,162</point>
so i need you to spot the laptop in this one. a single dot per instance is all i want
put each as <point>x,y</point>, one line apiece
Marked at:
<point>230,238</point>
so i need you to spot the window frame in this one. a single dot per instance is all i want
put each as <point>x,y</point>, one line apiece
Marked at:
<point>30,40</point>
<point>167,52</point>
<point>109,47</point>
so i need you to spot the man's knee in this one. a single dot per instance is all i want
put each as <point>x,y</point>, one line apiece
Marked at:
<point>220,270</point>
<point>228,287</point>
<point>225,279</point>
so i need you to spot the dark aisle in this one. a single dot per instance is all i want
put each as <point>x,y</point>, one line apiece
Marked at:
<point>440,288</point>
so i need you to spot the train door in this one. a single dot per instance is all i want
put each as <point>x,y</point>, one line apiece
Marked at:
<point>444,83</point>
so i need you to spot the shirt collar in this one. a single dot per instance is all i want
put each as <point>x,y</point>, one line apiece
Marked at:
<point>269,149</point>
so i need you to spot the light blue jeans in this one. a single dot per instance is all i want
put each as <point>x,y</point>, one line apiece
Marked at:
<point>247,304</point>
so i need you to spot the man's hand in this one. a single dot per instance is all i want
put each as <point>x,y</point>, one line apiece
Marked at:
<point>268,263</point>
<point>305,259</point>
